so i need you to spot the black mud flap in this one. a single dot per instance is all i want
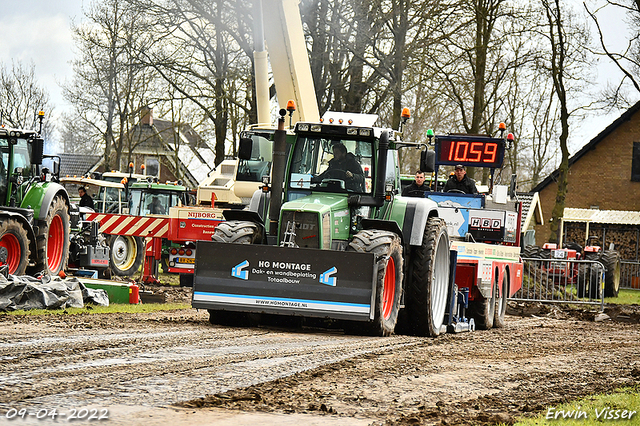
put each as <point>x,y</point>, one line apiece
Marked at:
<point>285,281</point>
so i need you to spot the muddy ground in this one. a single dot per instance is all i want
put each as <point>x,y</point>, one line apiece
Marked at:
<point>175,367</point>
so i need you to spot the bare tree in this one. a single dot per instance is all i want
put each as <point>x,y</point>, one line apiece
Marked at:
<point>202,50</point>
<point>566,67</point>
<point>628,59</point>
<point>21,97</point>
<point>110,85</point>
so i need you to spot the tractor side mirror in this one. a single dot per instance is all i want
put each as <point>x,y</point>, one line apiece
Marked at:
<point>245,148</point>
<point>37,150</point>
<point>428,161</point>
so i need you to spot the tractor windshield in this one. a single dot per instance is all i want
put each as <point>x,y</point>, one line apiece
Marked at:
<point>144,202</point>
<point>332,165</point>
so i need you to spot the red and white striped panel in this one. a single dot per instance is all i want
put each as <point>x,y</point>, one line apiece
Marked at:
<point>136,226</point>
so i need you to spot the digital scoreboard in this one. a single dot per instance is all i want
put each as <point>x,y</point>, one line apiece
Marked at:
<point>472,151</point>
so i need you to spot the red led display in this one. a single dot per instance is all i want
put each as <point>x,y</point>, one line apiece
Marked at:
<point>474,152</point>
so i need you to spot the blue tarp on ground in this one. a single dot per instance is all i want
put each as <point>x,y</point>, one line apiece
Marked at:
<point>26,292</point>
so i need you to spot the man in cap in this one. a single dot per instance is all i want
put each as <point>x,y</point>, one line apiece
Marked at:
<point>460,182</point>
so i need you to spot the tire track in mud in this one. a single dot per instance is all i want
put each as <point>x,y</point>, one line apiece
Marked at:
<point>163,364</point>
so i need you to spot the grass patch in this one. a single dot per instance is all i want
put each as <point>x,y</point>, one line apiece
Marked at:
<point>587,410</point>
<point>625,297</point>
<point>111,309</point>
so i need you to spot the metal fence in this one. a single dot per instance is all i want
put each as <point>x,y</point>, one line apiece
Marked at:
<point>562,281</point>
<point>630,274</point>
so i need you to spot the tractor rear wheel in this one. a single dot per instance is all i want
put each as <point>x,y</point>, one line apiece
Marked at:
<point>126,254</point>
<point>611,261</point>
<point>14,246</point>
<point>428,284</point>
<point>388,281</point>
<point>501,303</point>
<point>53,239</point>
<point>482,310</point>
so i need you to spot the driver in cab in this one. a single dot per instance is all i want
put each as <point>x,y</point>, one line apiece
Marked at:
<point>460,182</point>
<point>344,166</point>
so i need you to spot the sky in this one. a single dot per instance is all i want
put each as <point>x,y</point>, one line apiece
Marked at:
<point>38,32</point>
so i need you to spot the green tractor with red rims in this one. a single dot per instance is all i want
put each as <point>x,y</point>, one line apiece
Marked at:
<point>34,207</point>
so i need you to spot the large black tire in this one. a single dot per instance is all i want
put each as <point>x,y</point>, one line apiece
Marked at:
<point>501,303</point>
<point>388,281</point>
<point>14,246</point>
<point>588,285</point>
<point>532,252</point>
<point>427,287</point>
<point>611,261</point>
<point>52,241</point>
<point>237,232</point>
<point>483,310</point>
<point>126,255</point>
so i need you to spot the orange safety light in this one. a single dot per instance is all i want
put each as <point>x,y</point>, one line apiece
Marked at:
<point>123,181</point>
<point>291,105</point>
<point>406,113</point>
<point>131,165</point>
<point>143,167</point>
<point>502,126</point>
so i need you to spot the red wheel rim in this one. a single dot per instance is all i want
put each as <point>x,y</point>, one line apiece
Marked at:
<point>55,243</point>
<point>11,243</point>
<point>389,291</point>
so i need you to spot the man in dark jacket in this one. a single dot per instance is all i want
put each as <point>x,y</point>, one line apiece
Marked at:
<point>460,182</point>
<point>343,166</point>
<point>417,187</point>
<point>85,199</point>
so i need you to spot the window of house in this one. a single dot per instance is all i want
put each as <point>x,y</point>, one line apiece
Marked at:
<point>152,167</point>
<point>635,163</point>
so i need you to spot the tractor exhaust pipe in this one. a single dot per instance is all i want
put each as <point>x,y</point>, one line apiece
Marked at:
<point>277,172</point>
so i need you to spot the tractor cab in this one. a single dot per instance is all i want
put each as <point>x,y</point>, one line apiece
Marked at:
<point>16,148</point>
<point>151,198</point>
<point>108,197</point>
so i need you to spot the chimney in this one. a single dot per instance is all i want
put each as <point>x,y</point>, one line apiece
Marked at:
<point>147,116</point>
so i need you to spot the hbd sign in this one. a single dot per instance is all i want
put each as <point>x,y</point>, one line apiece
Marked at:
<point>486,224</point>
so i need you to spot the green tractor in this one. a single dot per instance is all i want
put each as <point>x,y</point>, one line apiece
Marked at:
<point>34,208</point>
<point>331,243</point>
<point>145,197</point>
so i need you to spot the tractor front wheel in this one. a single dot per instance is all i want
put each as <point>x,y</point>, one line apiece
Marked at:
<point>14,247</point>
<point>53,239</point>
<point>388,281</point>
<point>428,283</point>
<point>126,254</point>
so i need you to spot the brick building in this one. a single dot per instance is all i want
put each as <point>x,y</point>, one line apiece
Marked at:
<point>604,174</point>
